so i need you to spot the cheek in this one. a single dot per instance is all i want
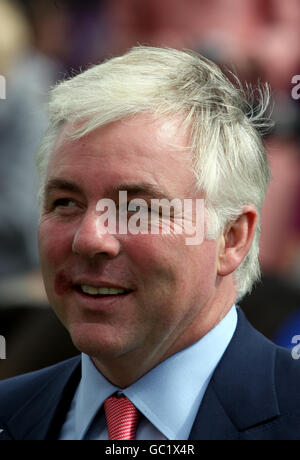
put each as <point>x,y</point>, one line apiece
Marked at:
<point>203,260</point>
<point>148,251</point>
<point>168,263</point>
<point>157,259</point>
<point>54,244</point>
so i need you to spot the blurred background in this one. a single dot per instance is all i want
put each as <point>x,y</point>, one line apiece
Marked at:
<point>43,41</point>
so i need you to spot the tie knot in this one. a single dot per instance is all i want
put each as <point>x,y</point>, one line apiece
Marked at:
<point>121,418</point>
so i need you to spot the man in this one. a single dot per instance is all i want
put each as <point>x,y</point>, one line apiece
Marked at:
<point>165,352</point>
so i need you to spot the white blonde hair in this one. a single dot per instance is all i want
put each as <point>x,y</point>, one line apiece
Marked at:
<point>230,163</point>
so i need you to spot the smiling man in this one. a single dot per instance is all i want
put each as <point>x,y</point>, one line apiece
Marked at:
<point>158,308</point>
<point>165,351</point>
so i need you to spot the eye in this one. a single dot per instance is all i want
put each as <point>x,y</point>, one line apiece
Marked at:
<point>65,207</point>
<point>64,202</point>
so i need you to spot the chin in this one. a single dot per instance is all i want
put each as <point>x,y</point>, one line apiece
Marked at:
<point>96,341</point>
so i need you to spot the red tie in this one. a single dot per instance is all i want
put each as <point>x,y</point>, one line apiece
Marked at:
<point>121,418</point>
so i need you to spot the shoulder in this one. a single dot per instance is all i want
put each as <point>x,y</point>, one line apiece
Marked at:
<point>254,391</point>
<point>287,378</point>
<point>272,363</point>
<point>285,426</point>
<point>17,391</point>
<point>270,375</point>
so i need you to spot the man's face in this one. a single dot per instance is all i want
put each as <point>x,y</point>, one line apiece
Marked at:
<point>170,286</point>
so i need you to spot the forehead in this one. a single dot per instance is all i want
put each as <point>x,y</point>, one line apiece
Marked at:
<point>126,150</point>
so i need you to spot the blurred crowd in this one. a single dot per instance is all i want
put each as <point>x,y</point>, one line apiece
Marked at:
<point>43,41</point>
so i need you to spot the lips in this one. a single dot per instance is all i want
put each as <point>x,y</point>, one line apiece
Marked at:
<point>89,287</point>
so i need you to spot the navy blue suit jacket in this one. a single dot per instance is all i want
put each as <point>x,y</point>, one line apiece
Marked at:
<point>254,394</point>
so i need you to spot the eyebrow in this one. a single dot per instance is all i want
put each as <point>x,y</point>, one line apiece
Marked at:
<point>61,184</point>
<point>142,188</point>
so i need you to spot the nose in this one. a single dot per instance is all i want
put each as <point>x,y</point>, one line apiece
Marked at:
<point>92,238</point>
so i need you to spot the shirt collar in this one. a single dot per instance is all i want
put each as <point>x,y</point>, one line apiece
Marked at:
<point>93,390</point>
<point>183,378</point>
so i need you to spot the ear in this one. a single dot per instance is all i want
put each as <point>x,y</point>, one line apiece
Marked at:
<point>236,240</point>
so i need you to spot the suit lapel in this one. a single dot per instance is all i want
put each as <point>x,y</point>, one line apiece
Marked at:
<point>241,394</point>
<point>42,416</point>
<point>212,421</point>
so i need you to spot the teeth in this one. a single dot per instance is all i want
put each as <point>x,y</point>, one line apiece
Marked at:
<point>103,290</point>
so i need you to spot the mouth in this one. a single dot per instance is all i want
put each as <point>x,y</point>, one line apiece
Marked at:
<point>101,292</point>
<point>92,293</point>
